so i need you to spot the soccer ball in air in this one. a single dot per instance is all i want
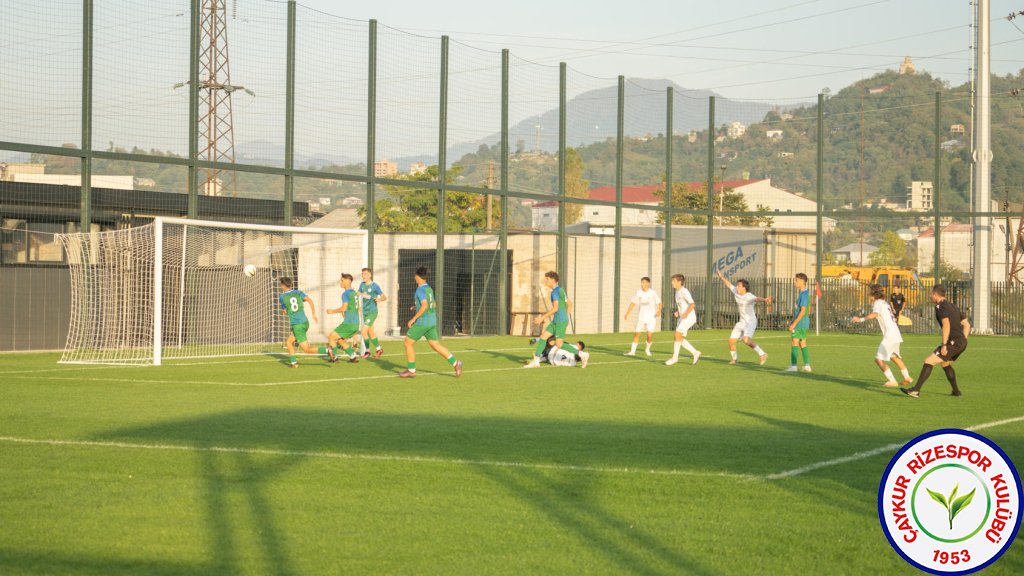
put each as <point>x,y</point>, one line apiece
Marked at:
<point>249,270</point>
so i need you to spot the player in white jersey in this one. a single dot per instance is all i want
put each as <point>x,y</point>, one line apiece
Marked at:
<point>556,356</point>
<point>891,338</point>
<point>747,325</point>
<point>648,305</point>
<point>686,312</point>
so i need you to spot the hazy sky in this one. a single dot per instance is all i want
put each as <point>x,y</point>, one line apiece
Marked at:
<point>781,51</point>
<point>740,48</point>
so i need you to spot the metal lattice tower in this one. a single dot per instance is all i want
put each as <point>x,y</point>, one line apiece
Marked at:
<point>216,129</point>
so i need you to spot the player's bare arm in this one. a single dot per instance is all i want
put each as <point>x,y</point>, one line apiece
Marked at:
<point>549,314</point>
<point>312,309</point>
<point>799,317</point>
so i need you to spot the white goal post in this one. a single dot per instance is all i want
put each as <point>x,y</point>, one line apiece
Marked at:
<point>176,288</point>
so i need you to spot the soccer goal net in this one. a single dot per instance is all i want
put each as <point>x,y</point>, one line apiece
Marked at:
<point>181,288</point>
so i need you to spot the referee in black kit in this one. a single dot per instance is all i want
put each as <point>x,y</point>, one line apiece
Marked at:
<point>955,329</point>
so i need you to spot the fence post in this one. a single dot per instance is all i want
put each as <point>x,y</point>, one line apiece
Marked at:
<point>619,153</point>
<point>666,247</point>
<point>193,113</point>
<point>503,305</point>
<point>708,306</point>
<point>937,256</point>
<point>289,118</point>
<point>85,208</point>
<point>371,143</point>
<point>442,176</point>
<point>819,187</point>
<point>561,252</point>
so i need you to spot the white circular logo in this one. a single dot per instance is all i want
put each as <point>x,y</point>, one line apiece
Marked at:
<point>950,502</point>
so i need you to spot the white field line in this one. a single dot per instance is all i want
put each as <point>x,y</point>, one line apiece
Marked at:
<point>875,452</point>
<point>471,462</point>
<point>372,457</point>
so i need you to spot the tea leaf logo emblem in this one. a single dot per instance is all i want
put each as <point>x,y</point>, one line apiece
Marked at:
<point>951,503</point>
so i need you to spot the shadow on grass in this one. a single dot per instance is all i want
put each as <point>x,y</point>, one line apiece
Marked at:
<point>564,496</point>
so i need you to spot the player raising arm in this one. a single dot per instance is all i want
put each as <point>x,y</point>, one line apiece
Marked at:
<point>293,305</point>
<point>747,324</point>
<point>423,324</point>
<point>891,337</point>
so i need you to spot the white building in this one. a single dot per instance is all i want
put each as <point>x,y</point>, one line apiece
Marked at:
<point>919,196</point>
<point>773,134</point>
<point>97,180</point>
<point>757,193</point>
<point>957,245</point>
<point>857,254</point>
<point>417,168</point>
<point>735,130</point>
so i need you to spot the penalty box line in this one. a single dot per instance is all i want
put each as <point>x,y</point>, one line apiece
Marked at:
<point>889,448</point>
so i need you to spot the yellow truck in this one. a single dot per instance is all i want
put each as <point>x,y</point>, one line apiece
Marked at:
<point>915,289</point>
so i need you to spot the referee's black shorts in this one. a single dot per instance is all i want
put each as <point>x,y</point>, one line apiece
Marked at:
<point>954,348</point>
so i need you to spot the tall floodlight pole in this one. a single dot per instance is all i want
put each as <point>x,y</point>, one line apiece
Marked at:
<point>982,155</point>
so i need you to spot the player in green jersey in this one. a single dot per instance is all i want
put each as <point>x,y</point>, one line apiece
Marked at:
<point>371,295</point>
<point>558,314</point>
<point>349,326</point>
<point>292,305</point>
<point>424,325</point>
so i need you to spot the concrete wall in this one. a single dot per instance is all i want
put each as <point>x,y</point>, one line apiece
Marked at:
<point>36,308</point>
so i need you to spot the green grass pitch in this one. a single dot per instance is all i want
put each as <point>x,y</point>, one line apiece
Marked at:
<point>242,466</point>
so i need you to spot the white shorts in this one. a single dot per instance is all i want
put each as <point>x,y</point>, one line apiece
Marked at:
<point>887,349</point>
<point>645,324</point>
<point>684,325</point>
<point>742,329</point>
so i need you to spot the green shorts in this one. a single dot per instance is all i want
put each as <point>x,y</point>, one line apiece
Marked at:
<point>299,331</point>
<point>417,332</point>
<point>346,330</point>
<point>369,318</point>
<point>557,329</point>
<point>800,334</point>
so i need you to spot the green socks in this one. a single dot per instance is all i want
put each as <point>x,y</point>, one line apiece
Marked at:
<point>375,342</point>
<point>807,356</point>
<point>411,366</point>
<point>540,348</point>
<point>452,360</point>
<point>293,359</point>
<point>569,348</point>
<point>792,355</point>
<point>350,353</point>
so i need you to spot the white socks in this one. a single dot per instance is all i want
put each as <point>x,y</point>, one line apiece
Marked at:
<point>675,350</point>
<point>733,354</point>
<point>758,351</point>
<point>888,375</point>
<point>689,347</point>
<point>905,372</point>
<point>632,348</point>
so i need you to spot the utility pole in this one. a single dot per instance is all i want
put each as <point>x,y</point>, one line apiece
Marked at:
<point>982,173</point>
